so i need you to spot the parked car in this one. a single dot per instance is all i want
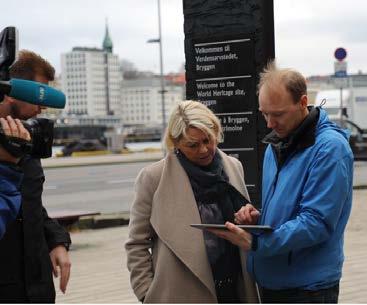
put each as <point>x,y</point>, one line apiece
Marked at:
<point>83,145</point>
<point>358,139</point>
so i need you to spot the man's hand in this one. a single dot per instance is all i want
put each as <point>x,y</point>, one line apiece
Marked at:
<point>12,128</point>
<point>247,215</point>
<point>60,260</point>
<point>235,235</point>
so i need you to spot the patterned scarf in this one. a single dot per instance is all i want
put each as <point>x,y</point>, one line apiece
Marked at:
<point>217,202</point>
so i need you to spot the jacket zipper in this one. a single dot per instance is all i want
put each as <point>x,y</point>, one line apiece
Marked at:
<point>275,181</point>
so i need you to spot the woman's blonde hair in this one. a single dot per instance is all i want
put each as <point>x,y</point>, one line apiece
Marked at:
<point>191,114</point>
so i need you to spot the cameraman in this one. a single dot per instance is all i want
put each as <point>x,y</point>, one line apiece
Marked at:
<point>34,245</point>
<point>10,175</point>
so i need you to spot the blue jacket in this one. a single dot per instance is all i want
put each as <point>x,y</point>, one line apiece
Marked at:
<point>308,202</point>
<point>10,198</point>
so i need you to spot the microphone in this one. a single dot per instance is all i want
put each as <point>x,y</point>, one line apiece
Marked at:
<point>33,92</point>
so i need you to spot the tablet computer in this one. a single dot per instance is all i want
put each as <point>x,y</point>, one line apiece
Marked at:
<point>250,228</point>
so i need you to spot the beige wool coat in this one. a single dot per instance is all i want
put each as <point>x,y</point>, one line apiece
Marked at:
<point>166,257</point>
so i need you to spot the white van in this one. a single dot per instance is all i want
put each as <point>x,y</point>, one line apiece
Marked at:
<point>354,104</point>
<point>354,109</point>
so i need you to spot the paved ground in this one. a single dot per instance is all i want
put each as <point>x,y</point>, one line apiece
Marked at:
<point>99,273</point>
<point>354,281</point>
<point>104,159</point>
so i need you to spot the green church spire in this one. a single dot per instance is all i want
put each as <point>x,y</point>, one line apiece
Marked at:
<point>107,41</point>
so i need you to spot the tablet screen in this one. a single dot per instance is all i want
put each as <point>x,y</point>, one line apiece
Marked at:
<point>250,228</point>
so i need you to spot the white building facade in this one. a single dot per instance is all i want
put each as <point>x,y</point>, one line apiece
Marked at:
<point>91,81</point>
<point>141,101</point>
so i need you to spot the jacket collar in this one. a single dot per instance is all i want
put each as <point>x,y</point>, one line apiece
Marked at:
<point>302,137</point>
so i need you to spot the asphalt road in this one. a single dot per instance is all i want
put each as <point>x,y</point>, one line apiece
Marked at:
<point>109,188</point>
<point>101,188</point>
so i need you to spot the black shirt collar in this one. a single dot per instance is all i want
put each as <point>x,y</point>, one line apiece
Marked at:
<point>302,137</point>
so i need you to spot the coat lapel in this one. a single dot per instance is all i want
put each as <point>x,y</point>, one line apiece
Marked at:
<point>249,291</point>
<point>174,209</point>
<point>233,174</point>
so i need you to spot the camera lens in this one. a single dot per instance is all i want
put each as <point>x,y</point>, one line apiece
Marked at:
<point>41,131</point>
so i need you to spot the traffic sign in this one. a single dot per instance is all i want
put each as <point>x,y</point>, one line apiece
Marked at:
<point>340,68</point>
<point>340,54</point>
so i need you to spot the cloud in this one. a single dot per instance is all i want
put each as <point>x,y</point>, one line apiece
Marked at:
<point>306,32</point>
<point>54,27</point>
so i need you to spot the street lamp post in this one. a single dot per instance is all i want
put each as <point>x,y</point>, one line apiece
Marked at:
<point>162,91</point>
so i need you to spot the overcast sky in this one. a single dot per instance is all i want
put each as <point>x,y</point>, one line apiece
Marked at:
<point>306,32</point>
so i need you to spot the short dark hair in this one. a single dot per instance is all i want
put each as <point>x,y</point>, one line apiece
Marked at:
<point>30,64</point>
<point>293,81</point>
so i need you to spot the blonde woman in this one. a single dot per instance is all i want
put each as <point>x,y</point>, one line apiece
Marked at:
<point>169,261</point>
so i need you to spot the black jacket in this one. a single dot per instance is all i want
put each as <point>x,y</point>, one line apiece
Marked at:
<point>26,269</point>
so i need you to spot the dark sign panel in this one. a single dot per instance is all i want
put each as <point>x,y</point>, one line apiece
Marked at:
<point>227,44</point>
<point>240,142</point>
<point>233,93</point>
<point>229,56</point>
<point>223,79</point>
<point>239,129</point>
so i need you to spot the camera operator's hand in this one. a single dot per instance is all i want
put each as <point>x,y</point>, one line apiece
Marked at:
<point>61,265</point>
<point>12,128</point>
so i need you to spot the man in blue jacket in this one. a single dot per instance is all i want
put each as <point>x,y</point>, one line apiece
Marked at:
<point>306,197</point>
<point>10,174</point>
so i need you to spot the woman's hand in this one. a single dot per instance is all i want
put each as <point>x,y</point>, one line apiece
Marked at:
<point>247,215</point>
<point>235,235</point>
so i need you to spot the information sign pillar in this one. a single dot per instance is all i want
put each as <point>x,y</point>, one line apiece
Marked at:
<point>227,45</point>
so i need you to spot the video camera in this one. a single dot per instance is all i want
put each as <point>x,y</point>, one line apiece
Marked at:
<point>41,129</point>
